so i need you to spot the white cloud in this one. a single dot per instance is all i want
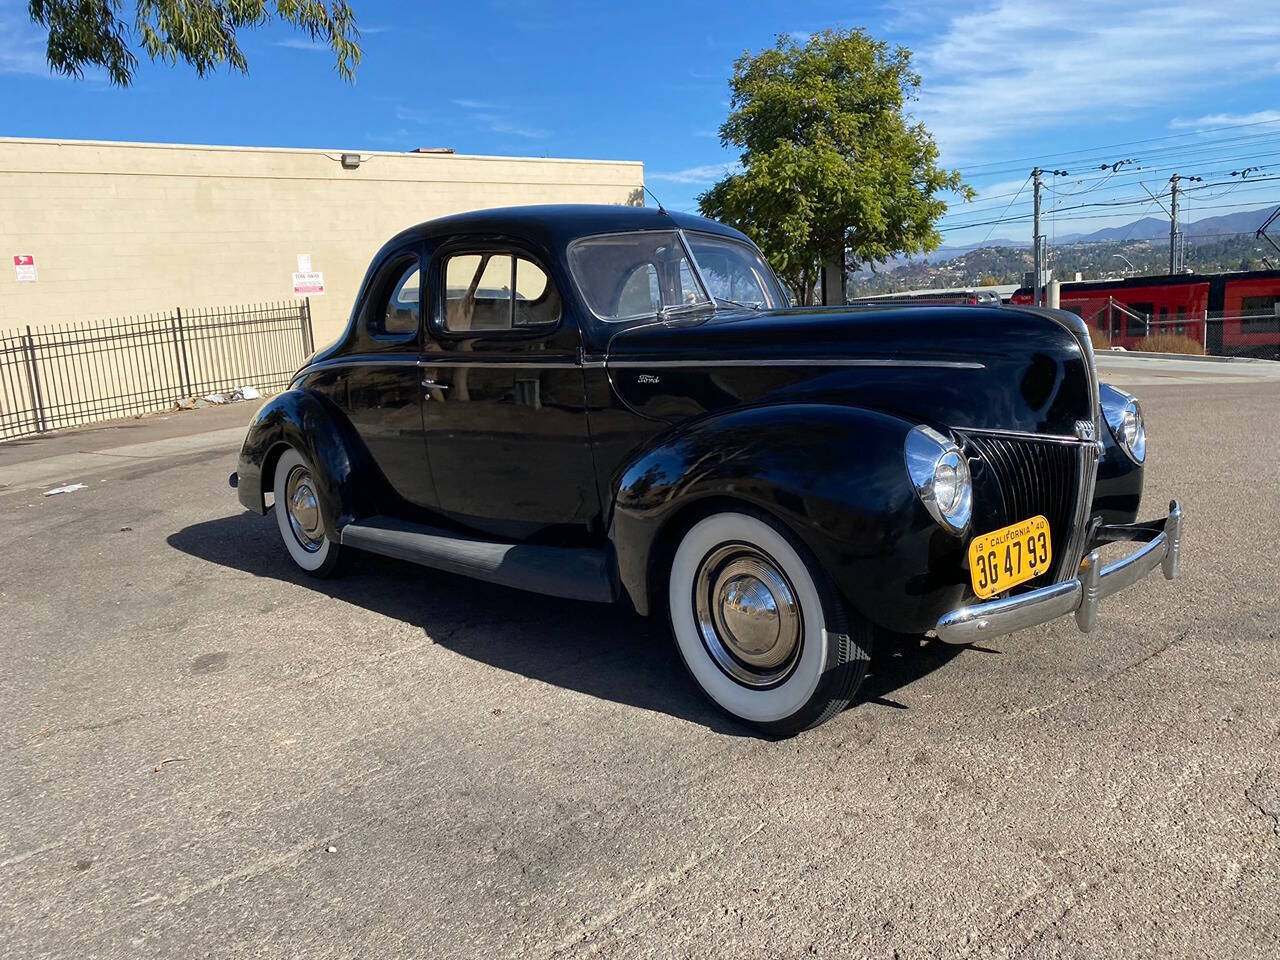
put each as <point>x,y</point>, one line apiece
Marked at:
<point>22,44</point>
<point>476,104</point>
<point>412,114</point>
<point>302,43</point>
<point>499,125</point>
<point>1019,66</point>
<point>705,174</point>
<point>1214,120</point>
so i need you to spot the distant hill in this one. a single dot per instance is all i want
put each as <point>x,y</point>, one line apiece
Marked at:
<point>1214,244</point>
<point>1197,231</point>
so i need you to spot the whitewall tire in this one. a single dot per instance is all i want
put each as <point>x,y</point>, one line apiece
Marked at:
<point>760,627</point>
<point>298,515</point>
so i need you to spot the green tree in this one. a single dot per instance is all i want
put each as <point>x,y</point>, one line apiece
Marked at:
<point>831,162</point>
<point>202,33</point>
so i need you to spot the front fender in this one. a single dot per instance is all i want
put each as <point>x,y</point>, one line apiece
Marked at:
<point>311,423</point>
<point>833,474</point>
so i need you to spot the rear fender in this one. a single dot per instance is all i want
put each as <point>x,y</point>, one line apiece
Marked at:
<point>833,474</point>
<point>347,480</point>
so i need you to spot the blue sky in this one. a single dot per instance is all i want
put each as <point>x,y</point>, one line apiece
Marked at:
<point>1186,86</point>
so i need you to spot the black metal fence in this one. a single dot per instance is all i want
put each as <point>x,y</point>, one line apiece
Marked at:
<point>61,375</point>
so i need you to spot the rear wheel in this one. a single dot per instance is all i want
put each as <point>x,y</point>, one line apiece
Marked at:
<point>298,515</point>
<point>760,627</point>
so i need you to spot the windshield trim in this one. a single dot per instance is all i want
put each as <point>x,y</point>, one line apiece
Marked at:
<point>650,315</point>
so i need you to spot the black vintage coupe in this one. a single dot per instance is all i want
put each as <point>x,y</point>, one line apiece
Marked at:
<point>620,404</point>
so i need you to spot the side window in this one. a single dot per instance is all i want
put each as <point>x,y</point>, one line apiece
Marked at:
<point>497,291</point>
<point>394,307</point>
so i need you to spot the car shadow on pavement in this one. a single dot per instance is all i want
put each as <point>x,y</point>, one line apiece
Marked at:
<point>600,650</point>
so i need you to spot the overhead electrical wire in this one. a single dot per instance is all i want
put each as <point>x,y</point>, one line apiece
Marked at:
<point>1194,134</point>
<point>1053,211</point>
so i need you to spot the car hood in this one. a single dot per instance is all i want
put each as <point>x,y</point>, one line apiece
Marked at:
<point>982,367</point>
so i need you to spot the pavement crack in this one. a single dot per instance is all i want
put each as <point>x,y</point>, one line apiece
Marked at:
<point>21,857</point>
<point>1264,793</point>
<point>1102,681</point>
<point>247,872</point>
<point>642,894</point>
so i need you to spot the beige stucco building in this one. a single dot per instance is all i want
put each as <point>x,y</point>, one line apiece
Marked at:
<point>117,229</point>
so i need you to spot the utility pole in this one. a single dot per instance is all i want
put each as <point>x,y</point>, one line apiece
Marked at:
<point>1173,219</point>
<point>1037,239</point>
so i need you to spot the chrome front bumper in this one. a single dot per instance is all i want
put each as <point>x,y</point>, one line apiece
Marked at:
<point>1160,539</point>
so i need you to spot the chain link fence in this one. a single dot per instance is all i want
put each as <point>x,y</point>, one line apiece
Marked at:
<point>1218,334</point>
<point>63,375</point>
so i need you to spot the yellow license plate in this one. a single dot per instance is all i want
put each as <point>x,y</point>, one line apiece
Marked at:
<point>1009,556</point>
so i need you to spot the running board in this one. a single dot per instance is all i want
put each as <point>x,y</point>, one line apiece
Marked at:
<point>572,573</point>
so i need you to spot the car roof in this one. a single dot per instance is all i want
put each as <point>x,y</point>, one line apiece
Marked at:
<point>557,225</point>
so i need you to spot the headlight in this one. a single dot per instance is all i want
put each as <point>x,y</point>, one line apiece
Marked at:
<point>1124,417</point>
<point>940,474</point>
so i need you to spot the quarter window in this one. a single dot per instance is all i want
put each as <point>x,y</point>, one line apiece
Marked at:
<point>493,291</point>
<point>395,306</point>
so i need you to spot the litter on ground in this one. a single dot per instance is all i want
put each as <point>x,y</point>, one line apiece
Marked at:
<point>69,488</point>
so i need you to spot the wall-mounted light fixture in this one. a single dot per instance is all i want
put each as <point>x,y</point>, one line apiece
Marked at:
<point>350,161</point>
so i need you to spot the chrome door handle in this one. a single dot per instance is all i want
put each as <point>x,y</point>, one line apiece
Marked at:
<point>435,385</point>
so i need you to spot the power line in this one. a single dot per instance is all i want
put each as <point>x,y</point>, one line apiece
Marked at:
<point>1178,152</point>
<point>1006,209</point>
<point>975,206</point>
<point>1127,143</point>
<point>1022,217</point>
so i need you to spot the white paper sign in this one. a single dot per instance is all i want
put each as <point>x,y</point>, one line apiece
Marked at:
<point>25,266</point>
<point>307,283</point>
<point>304,263</point>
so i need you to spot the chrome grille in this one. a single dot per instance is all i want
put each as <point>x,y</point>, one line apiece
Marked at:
<point>1017,477</point>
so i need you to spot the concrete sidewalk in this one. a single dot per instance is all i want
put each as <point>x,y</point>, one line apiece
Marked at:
<point>1136,369</point>
<point>68,456</point>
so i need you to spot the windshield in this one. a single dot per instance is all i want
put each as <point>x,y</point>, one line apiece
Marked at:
<point>734,272</point>
<point>626,276</point>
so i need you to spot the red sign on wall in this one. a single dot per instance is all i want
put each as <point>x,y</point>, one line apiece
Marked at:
<point>25,266</point>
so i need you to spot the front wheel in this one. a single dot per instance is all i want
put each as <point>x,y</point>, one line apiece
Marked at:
<point>761,628</point>
<point>298,515</point>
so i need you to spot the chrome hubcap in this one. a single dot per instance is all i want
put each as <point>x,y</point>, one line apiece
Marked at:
<point>303,509</point>
<point>747,614</point>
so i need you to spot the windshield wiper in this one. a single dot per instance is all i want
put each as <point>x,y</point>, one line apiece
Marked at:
<point>672,311</point>
<point>738,303</point>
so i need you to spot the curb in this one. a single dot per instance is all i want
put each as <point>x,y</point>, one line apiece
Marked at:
<point>1203,358</point>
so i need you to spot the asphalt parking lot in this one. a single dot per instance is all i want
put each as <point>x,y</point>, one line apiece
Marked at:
<point>204,753</point>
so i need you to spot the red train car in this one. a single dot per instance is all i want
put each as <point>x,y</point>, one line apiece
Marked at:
<point>1231,314</point>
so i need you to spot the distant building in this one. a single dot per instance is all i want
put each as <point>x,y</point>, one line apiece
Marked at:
<point>997,294</point>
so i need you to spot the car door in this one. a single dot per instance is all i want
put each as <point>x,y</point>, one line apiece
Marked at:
<point>503,403</point>
<point>380,388</point>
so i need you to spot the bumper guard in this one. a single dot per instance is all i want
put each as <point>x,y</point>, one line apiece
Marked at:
<point>1161,541</point>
